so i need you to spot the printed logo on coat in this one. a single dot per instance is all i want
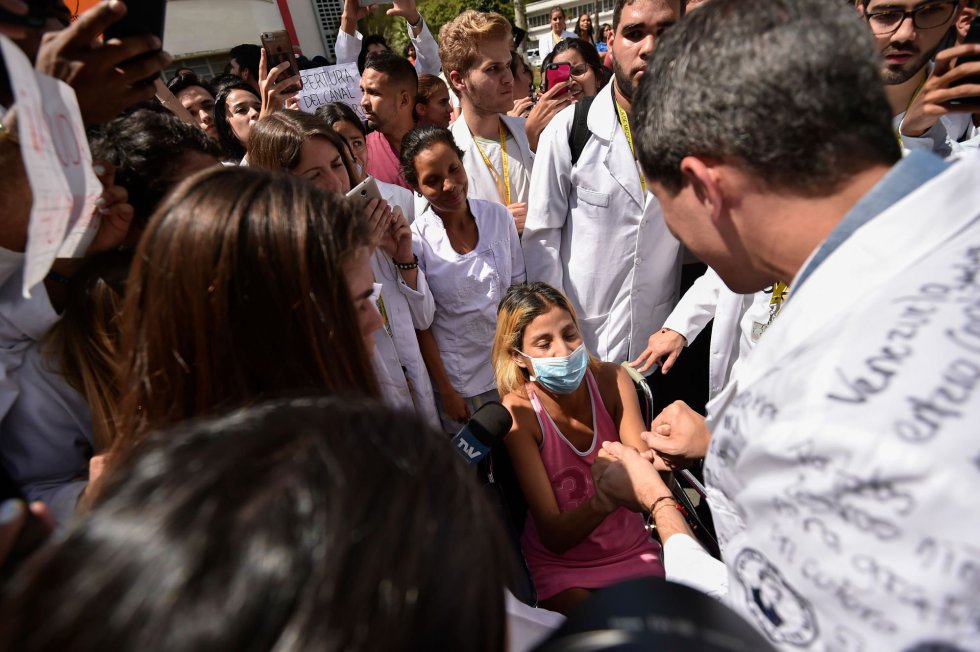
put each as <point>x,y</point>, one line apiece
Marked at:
<point>779,611</point>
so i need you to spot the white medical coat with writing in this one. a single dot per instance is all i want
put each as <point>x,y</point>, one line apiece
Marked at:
<point>595,235</point>
<point>845,458</point>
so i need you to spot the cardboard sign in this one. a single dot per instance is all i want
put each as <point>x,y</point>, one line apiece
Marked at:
<point>330,84</point>
<point>58,163</point>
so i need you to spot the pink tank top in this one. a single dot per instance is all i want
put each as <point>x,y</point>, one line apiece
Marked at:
<point>619,548</point>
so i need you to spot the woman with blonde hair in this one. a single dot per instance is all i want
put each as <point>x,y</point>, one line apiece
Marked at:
<point>565,404</point>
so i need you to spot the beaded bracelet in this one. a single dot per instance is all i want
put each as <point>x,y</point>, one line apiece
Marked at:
<point>407,266</point>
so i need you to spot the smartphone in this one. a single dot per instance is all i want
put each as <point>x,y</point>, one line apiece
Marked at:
<point>366,190</point>
<point>31,536</point>
<point>556,73</point>
<point>973,37</point>
<point>278,49</point>
<point>142,17</point>
<point>35,17</point>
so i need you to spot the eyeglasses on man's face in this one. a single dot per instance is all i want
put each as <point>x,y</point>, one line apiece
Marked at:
<point>926,16</point>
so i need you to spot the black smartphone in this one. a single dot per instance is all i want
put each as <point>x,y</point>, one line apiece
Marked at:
<point>35,17</point>
<point>142,17</point>
<point>973,37</point>
<point>279,49</point>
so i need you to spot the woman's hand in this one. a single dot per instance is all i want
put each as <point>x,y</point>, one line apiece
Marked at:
<point>379,219</point>
<point>548,106</point>
<point>454,406</point>
<point>397,241</point>
<point>275,92</point>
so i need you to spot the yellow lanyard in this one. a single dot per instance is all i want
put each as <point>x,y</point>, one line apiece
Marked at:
<point>780,292</point>
<point>502,187</point>
<point>915,95</point>
<point>625,121</point>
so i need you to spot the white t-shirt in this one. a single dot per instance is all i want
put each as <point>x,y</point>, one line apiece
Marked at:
<point>517,169</point>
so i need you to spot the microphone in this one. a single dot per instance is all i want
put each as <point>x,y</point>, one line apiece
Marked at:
<point>485,429</point>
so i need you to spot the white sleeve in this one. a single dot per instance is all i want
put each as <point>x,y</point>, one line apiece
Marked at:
<point>420,301</point>
<point>348,47</point>
<point>697,307</point>
<point>939,140</point>
<point>687,563</point>
<point>548,203</point>
<point>426,50</point>
<point>22,322</point>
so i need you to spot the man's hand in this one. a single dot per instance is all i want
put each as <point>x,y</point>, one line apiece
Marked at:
<point>663,343</point>
<point>627,478</point>
<point>276,93</point>
<point>107,77</point>
<point>407,10</point>
<point>548,106</point>
<point>679,435</point>
<point>933,102</point>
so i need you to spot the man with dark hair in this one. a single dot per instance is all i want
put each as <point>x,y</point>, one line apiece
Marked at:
<point>843,453</point>
<point>245,63</point>
<point>909,35</point>
<point>197,97</point>
<point>152,152</point>
<point>593,230</point>
<point>389,85</point>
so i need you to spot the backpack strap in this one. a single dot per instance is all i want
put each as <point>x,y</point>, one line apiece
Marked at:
<point>580,133</point>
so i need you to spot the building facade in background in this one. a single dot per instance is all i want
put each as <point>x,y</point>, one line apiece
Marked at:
<point>539,16</point>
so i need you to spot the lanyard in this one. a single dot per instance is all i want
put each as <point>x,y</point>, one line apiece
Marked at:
<point>502,187</point>
<point>625,121</point>
<point>915,96</point>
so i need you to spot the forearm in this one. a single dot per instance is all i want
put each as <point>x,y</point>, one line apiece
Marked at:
<point>565,530</point>
<point>15,197</point>
<point>433,361</point>
<point>668,519</point>
<point>348,20</point>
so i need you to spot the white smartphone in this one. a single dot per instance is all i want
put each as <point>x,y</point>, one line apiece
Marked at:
<point>366,190</point>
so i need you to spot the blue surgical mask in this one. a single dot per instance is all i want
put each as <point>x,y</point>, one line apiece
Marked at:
<point>561,375</point>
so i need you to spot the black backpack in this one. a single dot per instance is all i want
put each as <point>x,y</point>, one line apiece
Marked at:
<point>580,133</point>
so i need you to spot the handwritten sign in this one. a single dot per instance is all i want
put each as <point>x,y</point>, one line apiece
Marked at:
<point>58,165</point>
<point>328,84</point>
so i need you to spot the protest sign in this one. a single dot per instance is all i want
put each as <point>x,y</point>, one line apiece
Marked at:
<point>58,164</point>
<point>331,84</point>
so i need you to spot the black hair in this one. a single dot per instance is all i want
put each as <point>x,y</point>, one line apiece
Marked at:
<point>366,42</point>
<point>185,81</point>
<point>233,150</point>
<point>621,4</point>
<point>302,524</point>
<point>219,82</point>
<point>397,69</point>
<point>417,141</point>
<point>248,56</point>
<point>337,112</point>
<point>146,147</point>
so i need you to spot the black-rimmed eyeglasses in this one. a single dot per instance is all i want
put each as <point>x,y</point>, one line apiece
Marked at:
<point>928,16</point>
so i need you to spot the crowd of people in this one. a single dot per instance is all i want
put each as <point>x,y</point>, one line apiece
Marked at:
<point>226,424</point>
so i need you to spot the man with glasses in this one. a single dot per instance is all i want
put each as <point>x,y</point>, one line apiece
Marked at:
<point>909,33</point>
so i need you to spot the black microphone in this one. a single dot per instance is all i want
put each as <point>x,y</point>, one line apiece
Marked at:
<point>485,429</point>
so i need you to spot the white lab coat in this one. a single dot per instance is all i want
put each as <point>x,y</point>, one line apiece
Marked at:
<point>592,233</point>
<point>348,48</point>
<point>547,43</point>
<point>952,134</point>
<point>467,289</point>
<point>482,184</point>
<point>398,350</point>
<point>844,463</point>
<point>731,333</point>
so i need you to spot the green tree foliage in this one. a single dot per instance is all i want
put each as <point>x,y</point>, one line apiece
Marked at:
<point>439,12</point>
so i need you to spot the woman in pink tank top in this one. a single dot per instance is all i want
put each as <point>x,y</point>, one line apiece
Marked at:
<point>565,405</point>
